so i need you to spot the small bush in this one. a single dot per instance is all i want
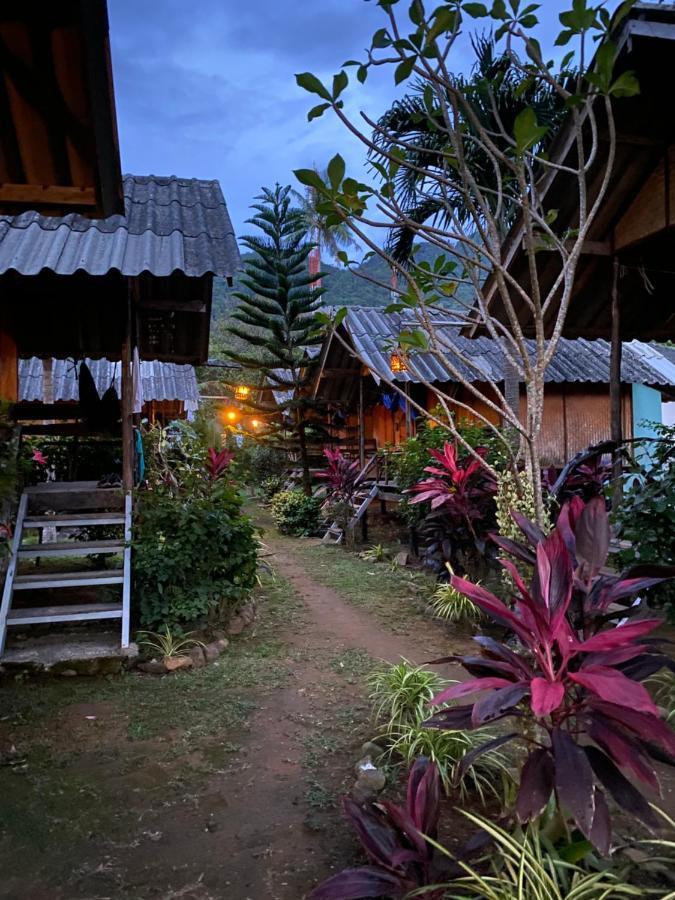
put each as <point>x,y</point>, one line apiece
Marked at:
<point>195,558</point>
<point>447,603</point>
<point>296,514</point>
<point>402,696</point>
<point>271,486</point>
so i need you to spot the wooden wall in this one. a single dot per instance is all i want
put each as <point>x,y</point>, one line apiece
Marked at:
<point>575,417</point>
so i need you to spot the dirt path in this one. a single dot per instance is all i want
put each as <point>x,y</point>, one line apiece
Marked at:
<point>217,785</point>
<point>281,860</point>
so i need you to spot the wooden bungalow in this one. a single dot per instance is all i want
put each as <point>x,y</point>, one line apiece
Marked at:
<point>367,414</point>
<point>129,287</point>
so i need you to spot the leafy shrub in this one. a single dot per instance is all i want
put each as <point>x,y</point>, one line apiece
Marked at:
<point>576,681</point>
<point>376,553</point>
<point>264,462</point>
<point>194,557</point>
<point>407,462</point>
<point>646,516</point>
<point>296,514</point>
<point>394,839</point>
<point>271,486</point>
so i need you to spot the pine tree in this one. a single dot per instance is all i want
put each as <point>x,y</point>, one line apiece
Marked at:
<point>276,311</point>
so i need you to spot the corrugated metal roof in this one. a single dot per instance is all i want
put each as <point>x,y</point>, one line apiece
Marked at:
<point>373,332</point>
<point>170,224</point>
<point>160,380</point>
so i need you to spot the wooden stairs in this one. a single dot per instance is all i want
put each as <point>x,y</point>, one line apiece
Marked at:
<point>55,510</point>
<point>368,489</point>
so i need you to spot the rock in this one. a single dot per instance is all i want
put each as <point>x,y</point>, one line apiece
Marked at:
<point>236,626</point>
<point>371,749</point>
<point>69,673</point>
<point>197,656</point>
<point>219,634</point>
<point>173,663</point>
<point>211,652</point>
<point>153,667</point>
<point>222,643</point>
<point>368,776</point>
<point>402,558</point>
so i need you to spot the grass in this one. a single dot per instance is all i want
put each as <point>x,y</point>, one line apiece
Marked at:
<point>389,593</point>
<point>157,737</point>
<point>354,664</point>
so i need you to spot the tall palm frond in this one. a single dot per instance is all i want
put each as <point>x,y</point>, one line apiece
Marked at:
<point>331,238</point>
<point>494,92</point>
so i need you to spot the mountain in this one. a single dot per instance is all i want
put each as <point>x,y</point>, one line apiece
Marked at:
<point>343,288</point>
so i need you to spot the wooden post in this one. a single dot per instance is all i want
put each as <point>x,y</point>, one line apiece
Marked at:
<point>9,367</point>
<point>127,407</point>
<point>616,425</point>
<point>408,411</point>
<point>362,426</point>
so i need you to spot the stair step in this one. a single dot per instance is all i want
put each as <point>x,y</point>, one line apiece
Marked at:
<point>74,519</point>
<point>70,548</point>
<point>68,613</point>
<point>68,579</point>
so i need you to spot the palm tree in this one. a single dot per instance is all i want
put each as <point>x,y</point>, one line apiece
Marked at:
<point>329,238</point>
<point>495,93</point>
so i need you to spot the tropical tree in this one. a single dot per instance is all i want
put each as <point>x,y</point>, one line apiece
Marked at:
<point>329,237</point>
<point>495,93</point>
<point>488,172</point>
<point>276,312</point>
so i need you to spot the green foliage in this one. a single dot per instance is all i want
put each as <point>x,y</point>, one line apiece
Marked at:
<point>376,553</point>
<point>275,318</point>
<point>195,552</point>
<point>662,689</point>
<point>402,696</point>
<point>167,644</point>
<point>296,514</point>
<point>447,603</point>
<point>271,486</point>
<point>525,866</point>
<point>195,557</point>
<point>646,516</point>
<point>408,461</point>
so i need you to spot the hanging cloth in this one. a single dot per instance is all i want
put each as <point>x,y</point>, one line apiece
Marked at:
<point>139,457</point>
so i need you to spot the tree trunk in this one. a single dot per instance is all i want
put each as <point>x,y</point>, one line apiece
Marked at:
<point>304,460</point>
<point>535,415</point>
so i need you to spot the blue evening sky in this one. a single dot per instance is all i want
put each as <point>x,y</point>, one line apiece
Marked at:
<point>206,88</point>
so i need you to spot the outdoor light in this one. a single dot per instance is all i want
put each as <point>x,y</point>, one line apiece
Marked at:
<point>255,423</point>
<point>241,392</point>
<point>231,415</point>
<point>397,362</point>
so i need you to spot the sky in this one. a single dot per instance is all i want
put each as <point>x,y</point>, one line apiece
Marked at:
<point>206,88</point>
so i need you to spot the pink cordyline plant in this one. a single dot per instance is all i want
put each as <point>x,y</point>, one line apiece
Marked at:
<point>576,675</point>
<point>217,462</point>
<point>340,476</point>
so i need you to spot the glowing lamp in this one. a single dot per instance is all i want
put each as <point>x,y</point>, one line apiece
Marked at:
<point>241,392</point>
<point>397,362</point>
<point>231,415</point>
<point>255,423</point>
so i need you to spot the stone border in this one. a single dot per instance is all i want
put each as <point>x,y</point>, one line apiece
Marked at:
<point>202,654</point>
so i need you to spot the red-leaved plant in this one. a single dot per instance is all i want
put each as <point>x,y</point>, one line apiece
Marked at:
<point>340,476</point>
<point>461,497</point>
<point>393,837</point>
<point>574,685</point>
<point>217,462</point>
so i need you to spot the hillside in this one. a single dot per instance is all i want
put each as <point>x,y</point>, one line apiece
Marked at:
<point>343,288</point>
